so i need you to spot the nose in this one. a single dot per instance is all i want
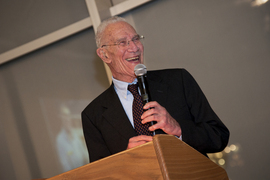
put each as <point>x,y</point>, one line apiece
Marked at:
<point>132,46</point>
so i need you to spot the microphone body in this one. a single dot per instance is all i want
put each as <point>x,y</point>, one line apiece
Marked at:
<point>141,73</point>
<point>143,85</point>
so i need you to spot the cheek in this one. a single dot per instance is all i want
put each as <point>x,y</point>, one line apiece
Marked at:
<point>125,66</point>
<point>121,65</point>
<point>119,62</point>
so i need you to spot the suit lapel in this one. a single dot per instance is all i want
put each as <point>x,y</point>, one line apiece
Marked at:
<point>116,115</point>
<point>158,90</point>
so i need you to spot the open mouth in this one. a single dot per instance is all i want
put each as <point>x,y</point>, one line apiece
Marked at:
<point>133,58</point>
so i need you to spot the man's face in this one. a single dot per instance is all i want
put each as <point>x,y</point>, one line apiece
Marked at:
<point>122,60</point>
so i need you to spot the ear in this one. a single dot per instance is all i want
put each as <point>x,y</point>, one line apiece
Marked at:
<point>103,55</point>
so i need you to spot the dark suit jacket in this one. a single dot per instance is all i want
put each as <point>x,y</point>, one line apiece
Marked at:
<point>107,128</point>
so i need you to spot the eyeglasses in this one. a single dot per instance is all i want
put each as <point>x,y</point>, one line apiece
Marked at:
<point>122,44</point>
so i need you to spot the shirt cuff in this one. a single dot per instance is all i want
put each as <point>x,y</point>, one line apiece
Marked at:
<point>179,137</point>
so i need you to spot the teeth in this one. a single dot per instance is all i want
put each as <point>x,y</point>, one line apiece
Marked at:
<point>133,58</point>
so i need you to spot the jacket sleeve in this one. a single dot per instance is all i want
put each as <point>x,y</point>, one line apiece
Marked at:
<point>95,143</point>
<point>205,132</point>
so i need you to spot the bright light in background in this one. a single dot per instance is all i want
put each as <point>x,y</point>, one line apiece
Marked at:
<point>63,120</point>
<point>231,148</point>
<point>221,162</point>
<point>258,2</point>
<point>229,157</point>
<point>254,3</point>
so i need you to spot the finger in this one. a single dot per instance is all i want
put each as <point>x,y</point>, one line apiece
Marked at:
<point>148,113</point>
<point>157,125</point>
<point>153,127</point>
<point>141,138</point>
<point>151,118</point>
<point>151,104</point>
<point>140,143</point>
<point>134,144</point>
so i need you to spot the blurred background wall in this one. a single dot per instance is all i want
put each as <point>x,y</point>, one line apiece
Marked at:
<point>225,45</point>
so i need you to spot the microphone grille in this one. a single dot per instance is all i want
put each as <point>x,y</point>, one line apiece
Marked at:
<point>140,70</point>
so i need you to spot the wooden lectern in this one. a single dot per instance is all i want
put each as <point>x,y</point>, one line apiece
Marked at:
<point>166,157</point>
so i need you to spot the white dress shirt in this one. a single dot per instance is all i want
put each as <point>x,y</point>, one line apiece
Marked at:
<point>126,98</point>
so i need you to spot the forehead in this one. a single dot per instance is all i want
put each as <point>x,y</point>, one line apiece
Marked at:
<point>118,30</point>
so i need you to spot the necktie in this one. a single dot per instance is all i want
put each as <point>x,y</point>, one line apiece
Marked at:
<point>137,111</point>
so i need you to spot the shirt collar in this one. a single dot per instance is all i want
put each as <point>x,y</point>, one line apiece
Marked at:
<point>121,86</point>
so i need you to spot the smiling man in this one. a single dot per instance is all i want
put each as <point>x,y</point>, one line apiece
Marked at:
<point>121,49</point>
<point>179,107</point>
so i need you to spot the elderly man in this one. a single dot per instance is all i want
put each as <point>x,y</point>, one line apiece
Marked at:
<point>178,105</point>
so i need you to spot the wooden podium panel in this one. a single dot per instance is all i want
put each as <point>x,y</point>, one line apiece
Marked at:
<point>137,163</point>
<point>166,157</point>
<point>178,160</point>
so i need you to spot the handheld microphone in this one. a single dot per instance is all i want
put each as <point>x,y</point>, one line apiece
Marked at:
<point>141,71</point>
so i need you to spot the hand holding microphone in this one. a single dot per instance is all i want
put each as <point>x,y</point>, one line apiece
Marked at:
<point>141,73</point>
<point>156,114</point>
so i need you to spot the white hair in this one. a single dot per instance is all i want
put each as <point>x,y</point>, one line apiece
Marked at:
<point>103,26</point>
